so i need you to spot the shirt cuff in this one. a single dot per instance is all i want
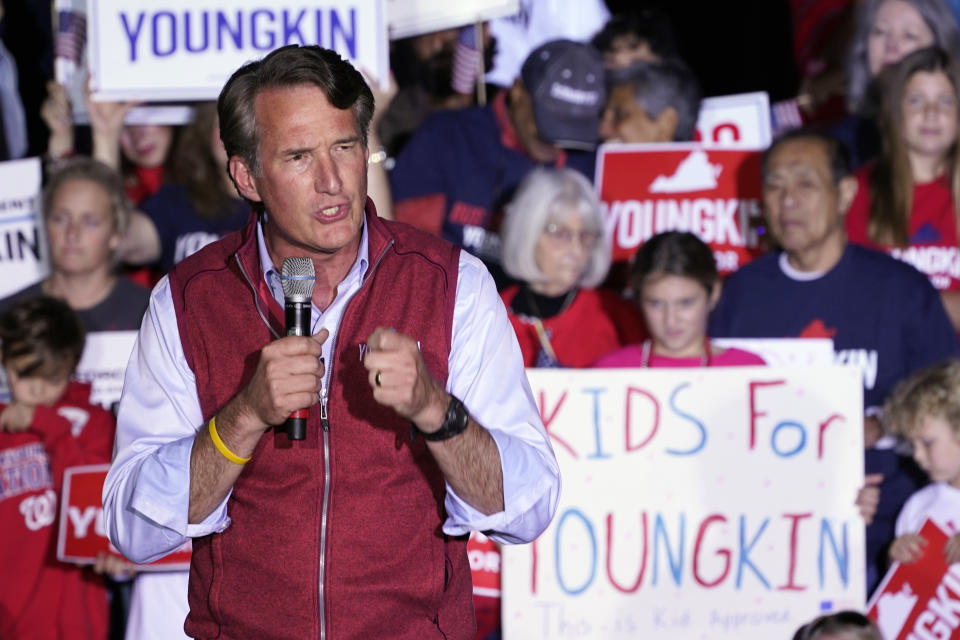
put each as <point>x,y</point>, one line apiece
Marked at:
<point>162,498</point>
<point>529,507</point>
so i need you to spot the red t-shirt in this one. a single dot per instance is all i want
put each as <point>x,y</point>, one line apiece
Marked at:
<point>40,597</point>
<point>596,323</point>
<point>932,230</point>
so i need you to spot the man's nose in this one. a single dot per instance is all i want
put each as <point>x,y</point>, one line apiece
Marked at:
<point>327,176</point>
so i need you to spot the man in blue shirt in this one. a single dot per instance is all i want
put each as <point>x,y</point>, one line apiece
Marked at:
<point>460,167</point>
<point>882,314</point>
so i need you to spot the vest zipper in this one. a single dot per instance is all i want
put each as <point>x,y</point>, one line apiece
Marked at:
<point>323,515</point>
<point>323,409</point>
<point>325,420</point>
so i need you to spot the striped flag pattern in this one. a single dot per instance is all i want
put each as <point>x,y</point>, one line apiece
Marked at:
<point>467,62</point>
<point>71,35</point>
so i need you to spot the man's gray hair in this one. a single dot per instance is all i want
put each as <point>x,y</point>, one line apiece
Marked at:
<point>658,85</point>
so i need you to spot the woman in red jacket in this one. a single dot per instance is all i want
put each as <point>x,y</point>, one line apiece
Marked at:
<point>554,243</point>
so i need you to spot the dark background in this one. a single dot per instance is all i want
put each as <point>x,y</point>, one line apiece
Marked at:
<point>733,46</point>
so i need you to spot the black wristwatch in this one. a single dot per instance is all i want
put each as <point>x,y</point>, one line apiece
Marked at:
<point>454,422</point>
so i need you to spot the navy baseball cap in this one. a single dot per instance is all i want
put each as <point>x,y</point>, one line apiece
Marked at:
<point>566,86</point>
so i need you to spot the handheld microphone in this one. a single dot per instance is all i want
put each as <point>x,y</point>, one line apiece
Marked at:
<point>297,277</point>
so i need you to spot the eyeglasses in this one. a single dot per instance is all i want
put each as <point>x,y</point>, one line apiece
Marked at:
<point>565,235</point>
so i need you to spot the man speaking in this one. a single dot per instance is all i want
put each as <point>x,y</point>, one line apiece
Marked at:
<point>421,423</point>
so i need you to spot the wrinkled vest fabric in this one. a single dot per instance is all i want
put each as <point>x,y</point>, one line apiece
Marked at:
<point>388,569</point>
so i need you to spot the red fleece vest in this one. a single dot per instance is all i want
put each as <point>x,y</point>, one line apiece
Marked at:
<point>389,570</point>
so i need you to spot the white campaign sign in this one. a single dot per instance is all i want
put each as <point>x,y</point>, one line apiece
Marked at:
<point>104,362</point>
<point>23,251</point>
<point>696,503</point>
<point>787,352</point>
<point>740,121</point>
<point>186,49</point>
<point>414,17</point>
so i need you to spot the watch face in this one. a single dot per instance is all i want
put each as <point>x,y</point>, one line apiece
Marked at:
<point>455,421</point>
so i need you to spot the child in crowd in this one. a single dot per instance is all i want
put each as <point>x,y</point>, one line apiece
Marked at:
<point>48,426</point>
<point>925,408</point>
<point>842,625</point>
<point>907,202</point>
<point>675,284</point>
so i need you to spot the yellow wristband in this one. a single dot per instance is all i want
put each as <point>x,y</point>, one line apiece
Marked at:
<point>221,447</point>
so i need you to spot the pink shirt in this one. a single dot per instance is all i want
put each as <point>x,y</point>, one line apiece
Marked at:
<point>631,356</point>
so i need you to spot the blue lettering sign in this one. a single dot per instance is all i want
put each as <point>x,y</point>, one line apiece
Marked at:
<point>349,40</point>
<point>155,24</point>
<point>703,432</point>
<point>132,35</point>
<point>593,551</point>
<point>800,445</point>
<point>271,37</point>
<point>235,31</point>
<point>745,549</point>
<point>676,563</point>
<point>596,423</point>
<point>291,28</point>
<point>842,557</point>
<point>204,33</point>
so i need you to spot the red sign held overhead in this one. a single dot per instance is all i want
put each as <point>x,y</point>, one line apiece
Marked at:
<point>713,193</point>
<point>82,534</point>
<point>920,600</point>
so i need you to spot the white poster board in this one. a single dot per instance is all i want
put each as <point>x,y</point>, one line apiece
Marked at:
<point>187,49</point>
<point>23,249</point>
<point>70,70</point>
<point>696,503</point>
<point>415,17</point>
<point>104,362</point>
<point>785,352</point>
<point>740,121</point>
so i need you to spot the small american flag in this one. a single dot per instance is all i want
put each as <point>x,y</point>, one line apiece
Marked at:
<point>786,115</point>
<point>467,62</point>
<point>71,35</point>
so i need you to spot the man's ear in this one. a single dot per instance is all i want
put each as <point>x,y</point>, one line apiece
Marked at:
<point>244,179</point>
<point>847,192</point>
<point>665,124</point>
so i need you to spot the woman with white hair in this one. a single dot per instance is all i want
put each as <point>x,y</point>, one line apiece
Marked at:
<point>554,244</point>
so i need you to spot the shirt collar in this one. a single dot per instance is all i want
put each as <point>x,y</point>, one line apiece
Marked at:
<point>272,276</point>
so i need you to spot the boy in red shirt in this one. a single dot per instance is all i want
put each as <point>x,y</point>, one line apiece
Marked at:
<point>48,426</point>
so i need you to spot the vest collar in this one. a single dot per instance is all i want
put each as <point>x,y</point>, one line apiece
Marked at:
<point>247,256</point>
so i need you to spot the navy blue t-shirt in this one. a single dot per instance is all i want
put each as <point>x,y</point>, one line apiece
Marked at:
<point>881,313</point>
<point>183,231</point>
<point>459,154</point>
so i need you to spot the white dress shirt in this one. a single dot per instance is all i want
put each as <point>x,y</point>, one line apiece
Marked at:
<point>147,491</point>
